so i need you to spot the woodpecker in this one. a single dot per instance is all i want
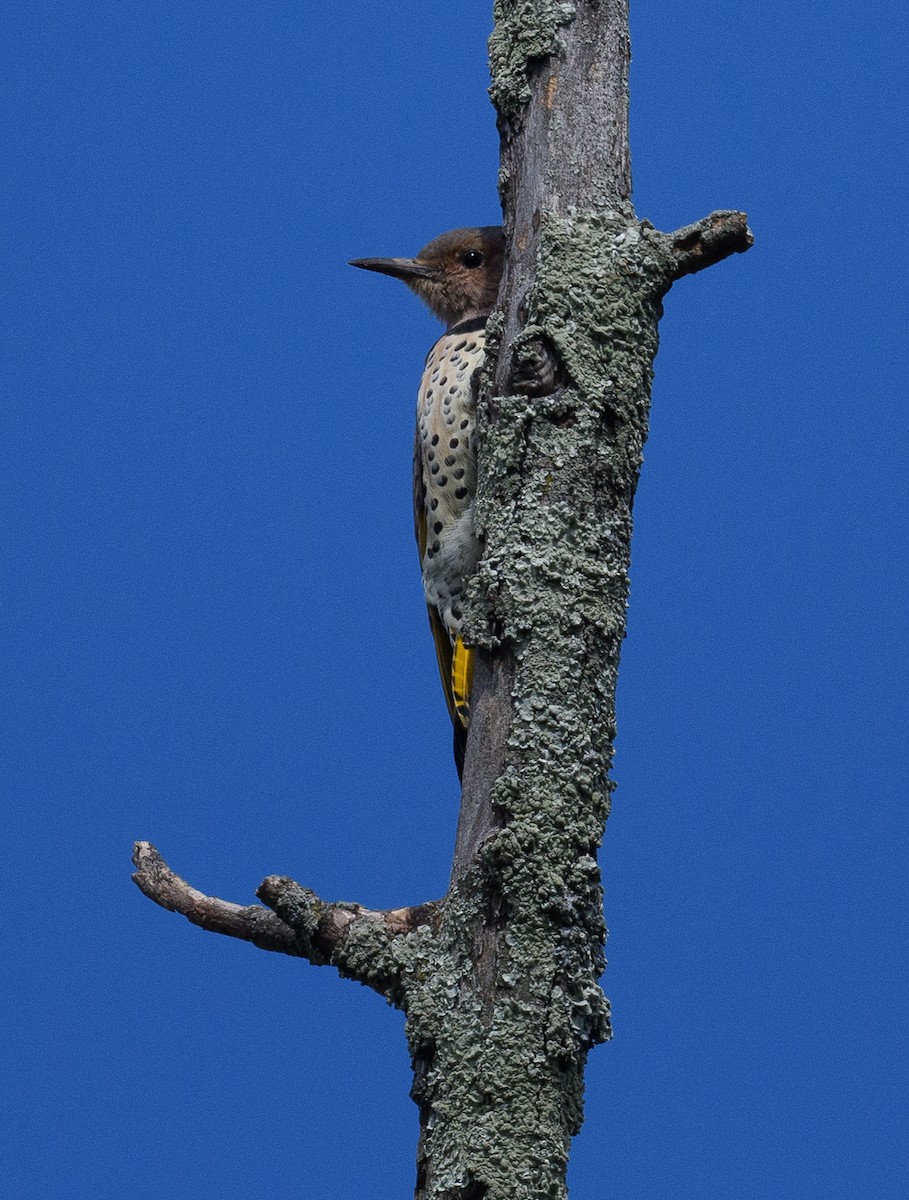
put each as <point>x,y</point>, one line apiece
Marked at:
<point>457,275</point>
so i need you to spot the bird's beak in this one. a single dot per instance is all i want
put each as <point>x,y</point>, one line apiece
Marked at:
<point>400,268</point>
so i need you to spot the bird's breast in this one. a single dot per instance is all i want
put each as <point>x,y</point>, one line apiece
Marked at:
<point>446,441</point>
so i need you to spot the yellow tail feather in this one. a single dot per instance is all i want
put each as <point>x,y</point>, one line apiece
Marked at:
<point>461,681</point>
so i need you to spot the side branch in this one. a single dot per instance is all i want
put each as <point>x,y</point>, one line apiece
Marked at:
<point>359,942</point>
<point>708,241</point>
<point>251,923</point>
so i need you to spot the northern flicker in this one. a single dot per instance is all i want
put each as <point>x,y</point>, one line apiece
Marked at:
<point>457,275</point>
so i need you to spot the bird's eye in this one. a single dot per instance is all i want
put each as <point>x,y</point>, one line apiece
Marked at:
<point>473,258</point>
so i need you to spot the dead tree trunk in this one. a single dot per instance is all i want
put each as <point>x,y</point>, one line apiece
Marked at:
<point>499,980</point>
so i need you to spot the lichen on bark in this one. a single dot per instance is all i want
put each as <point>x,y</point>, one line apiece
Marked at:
<point>490,1078</point>
<point>526,31</point>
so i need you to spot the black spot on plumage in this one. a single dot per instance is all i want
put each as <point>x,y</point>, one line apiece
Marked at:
<point>438,527</point>
<point>430,455</point>
<point>459,474</point>
<point>442,480</point>
<point>435,439</point>
<point>434,469</point>
<point>443,381</point>
<point>453,443</point>
<point>457,611</point>
<point>434,503</point>
<point>449,460</point>
<point>464,423</point>
<point>460,493</point>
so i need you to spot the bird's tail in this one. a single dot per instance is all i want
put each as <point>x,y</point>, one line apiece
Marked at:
<point>461,681</point>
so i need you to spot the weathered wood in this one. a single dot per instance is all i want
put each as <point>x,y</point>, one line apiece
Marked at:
<point>361,943</point>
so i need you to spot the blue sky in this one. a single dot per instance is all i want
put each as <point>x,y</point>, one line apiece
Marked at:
<point>215,636</point>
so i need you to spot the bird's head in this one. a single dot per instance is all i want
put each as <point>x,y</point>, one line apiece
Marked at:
<point>457,275</point>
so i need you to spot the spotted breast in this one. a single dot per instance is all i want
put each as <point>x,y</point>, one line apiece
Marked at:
<point>445,469</point>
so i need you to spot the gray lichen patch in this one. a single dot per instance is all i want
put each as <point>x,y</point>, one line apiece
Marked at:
<point>525,32</point>
<point>597,300</point>
<point>597,296</point>
<point>383,961</point>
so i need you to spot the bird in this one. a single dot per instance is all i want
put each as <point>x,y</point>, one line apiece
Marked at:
<point>457,275</point>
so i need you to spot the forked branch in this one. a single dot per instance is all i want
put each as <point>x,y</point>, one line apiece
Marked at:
<point>358,941</point>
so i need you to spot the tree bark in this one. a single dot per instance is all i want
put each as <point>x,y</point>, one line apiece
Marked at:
<point>558,466</point>
<point>499,981</point>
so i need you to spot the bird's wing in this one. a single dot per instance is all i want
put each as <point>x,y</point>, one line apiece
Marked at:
<point>439,632</point>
